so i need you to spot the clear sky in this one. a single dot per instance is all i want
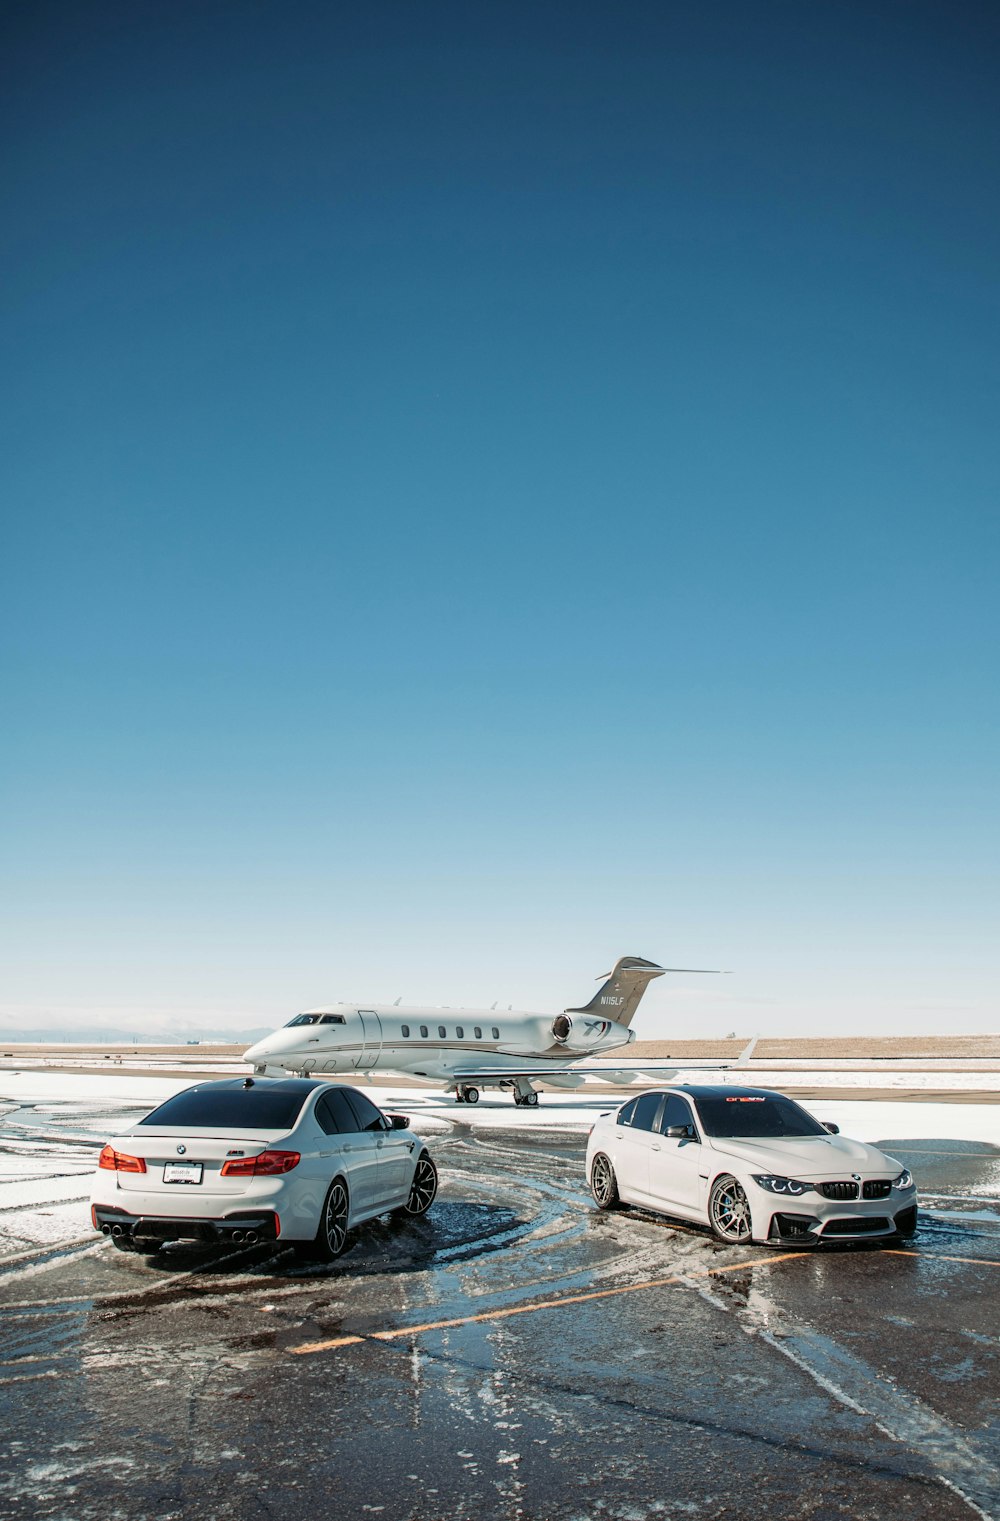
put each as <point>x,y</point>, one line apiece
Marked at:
<point>492,487</point>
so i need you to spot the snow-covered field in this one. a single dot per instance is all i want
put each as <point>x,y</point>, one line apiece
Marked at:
<point>53,1124</point>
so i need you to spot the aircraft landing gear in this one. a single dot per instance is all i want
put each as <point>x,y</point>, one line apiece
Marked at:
<point>524,1095</point>
<point>465,1095</point>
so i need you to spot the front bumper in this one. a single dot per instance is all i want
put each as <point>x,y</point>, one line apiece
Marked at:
<point>855,1220</point>
<point>241,1227</point>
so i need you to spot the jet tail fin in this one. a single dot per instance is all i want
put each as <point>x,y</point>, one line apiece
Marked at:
<point>618,997</point>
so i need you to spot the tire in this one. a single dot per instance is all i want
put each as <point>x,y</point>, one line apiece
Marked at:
<point>331,1236</point>
<point>472,1095</point>
<point>729,1212</point>
<point>603,1183</point>
<point>531,1099</point>
<point>423,1189</point>
<point>122,1243</point>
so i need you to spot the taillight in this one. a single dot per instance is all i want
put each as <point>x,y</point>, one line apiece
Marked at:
<point>268,1164</point>
<point>120,1161</point>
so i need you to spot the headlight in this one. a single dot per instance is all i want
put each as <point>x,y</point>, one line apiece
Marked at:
<point>904,1180</point>
<point>775,1185</point>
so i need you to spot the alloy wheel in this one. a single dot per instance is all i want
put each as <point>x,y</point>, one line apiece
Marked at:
<point>335,1218</point>
<point>423,1188</point>
<point>603,1185</point>
<point>729,1211</point>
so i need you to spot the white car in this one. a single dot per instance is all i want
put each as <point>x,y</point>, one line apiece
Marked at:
<point>751,1164</point>
<point>259,1159</point>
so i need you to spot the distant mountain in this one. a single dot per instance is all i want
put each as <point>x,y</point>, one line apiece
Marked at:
<point>91,1035</point>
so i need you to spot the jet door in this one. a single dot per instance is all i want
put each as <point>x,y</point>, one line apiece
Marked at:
<point>371,1038</point>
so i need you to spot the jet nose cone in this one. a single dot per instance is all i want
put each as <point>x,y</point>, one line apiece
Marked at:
<point>258,1052</point>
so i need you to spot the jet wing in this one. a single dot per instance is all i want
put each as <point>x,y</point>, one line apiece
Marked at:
<point>588,1069</point>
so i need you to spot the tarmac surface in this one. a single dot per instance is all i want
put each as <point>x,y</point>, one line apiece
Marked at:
<point>516,1354</point>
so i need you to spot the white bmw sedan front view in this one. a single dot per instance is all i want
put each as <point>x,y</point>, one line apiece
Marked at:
<point>259,1159</point>
<point>751,1164</point>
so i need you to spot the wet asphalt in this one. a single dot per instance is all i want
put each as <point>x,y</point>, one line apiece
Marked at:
<point>516,1354</point>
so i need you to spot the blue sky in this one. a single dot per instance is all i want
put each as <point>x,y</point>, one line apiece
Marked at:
<point>490,488</point>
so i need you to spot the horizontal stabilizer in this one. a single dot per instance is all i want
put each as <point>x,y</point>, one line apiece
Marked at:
<point>618,998</point>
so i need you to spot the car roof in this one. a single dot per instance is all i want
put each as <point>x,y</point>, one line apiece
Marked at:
<point>292,1085</point>
<point>724,1090</point>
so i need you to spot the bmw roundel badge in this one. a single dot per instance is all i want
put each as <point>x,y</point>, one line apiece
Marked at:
<point>181,1150</point>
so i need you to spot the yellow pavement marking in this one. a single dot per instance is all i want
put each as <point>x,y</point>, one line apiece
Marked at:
<point>896,1251</point>
<point>544,1304</point>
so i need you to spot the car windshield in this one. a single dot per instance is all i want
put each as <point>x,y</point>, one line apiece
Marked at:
<point>239,1109</point>
<point>755,1117</point>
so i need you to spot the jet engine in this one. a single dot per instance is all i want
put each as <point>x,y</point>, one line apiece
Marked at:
<point>580,1034</point>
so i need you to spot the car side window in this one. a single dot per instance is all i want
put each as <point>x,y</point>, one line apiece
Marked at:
<point>324,1118</point>
<point>647,1107</point>
<point>626,1112</point>
<point>676,1111</point>
<point>369,1118</point>
<point>335,1114</point>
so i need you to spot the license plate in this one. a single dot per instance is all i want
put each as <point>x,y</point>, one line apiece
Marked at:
<point>182,1172</point>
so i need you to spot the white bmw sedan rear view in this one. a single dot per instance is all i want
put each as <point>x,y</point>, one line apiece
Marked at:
<point>750,1164</point>
<point>259,1159</point>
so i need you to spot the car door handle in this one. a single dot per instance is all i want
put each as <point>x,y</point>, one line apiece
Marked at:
<point>654,1148</point>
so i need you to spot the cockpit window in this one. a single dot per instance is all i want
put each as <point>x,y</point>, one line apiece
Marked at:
<point>316,1019</point>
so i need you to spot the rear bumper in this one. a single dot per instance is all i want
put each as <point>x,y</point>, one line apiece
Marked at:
<point>242,1226</point>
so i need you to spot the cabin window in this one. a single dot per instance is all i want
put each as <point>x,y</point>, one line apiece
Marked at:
<point>477,1032</point>
<point>442,1031</point>
<point>423,1031</point>
<point>459,1032</point>
<point>404,1030</point>
<point>496,1033</point>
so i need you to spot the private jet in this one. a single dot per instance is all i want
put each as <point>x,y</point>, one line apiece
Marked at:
<point>470,1049</point>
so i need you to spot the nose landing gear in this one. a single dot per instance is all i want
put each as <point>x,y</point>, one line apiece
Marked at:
<point>466,1095</point>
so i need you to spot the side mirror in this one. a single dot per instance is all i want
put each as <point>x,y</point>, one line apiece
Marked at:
<point>399,1121</point>
<point>680,1132</point>
<point>831,1127</point>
